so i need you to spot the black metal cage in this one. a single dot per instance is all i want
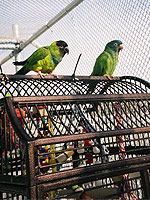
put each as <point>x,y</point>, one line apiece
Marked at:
<point>59,141</point>
<point>25,85</point>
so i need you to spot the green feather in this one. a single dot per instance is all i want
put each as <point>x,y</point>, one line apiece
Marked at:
<point>106,61</point>
<point>44,59</point>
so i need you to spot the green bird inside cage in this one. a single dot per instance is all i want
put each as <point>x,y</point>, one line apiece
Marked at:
<point>45,59</point>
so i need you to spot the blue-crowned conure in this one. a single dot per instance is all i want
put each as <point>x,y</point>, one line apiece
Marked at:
<point>45,59</point>
<point>106,62</point>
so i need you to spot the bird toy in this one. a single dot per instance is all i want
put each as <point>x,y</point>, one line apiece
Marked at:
<point>122,154</point>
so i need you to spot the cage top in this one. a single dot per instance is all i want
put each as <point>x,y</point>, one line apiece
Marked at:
<point>26,85</point>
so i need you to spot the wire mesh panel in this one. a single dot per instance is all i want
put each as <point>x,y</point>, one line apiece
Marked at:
<point>13,159</point>
<point>66,85</point>
<point>85,171</point>
<point>70,113</point>
<point>13,196</point>
<point>12,149</point>
<point>102,189</point>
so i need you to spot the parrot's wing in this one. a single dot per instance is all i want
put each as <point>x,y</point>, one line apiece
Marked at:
<point>39,54</point>
<point>102,65</point>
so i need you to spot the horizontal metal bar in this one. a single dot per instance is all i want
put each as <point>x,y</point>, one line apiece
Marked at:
<point>7,48</point>
<point>99,134</point>
<point>51,77</point>
<point>88,177</point>
<point>82,78</point>
<point>81,98</point>
<point>9,188</point>
<point>67,77</point>
<point>14,180</point>
<point>130,150</point>
<point>94,168</point>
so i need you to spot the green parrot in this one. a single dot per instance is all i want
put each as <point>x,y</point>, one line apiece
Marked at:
<point>106,62</point>
<point>45,59</point>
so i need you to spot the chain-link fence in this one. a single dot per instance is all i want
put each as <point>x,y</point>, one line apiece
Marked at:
<point>86,29</point>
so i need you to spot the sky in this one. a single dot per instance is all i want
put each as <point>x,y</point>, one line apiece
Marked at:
<point>86,29</point>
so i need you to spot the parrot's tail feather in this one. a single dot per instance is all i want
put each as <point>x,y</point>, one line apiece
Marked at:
<point>22,71</point>
<point>20,63</point>
<point>91,88</point>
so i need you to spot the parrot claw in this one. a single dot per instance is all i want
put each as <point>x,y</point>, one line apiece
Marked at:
<point>54,75</point>
<point>41,75</point>
<point>108,76</point>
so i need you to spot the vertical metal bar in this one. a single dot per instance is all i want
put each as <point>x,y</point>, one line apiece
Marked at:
<point>1,195</point>
<point>21,159</point>
<point>5,142</point>
<point>145,183</point>
<point>15,29</point>
<point>1,143</point>
<point>10,147</point>
<point>31,170</point>
<point>33,193</point>
<point>16,159</point>
<point>40,192</point>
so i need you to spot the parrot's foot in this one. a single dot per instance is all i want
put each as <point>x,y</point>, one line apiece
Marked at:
<point>41,74</point>
<point>108,76</point>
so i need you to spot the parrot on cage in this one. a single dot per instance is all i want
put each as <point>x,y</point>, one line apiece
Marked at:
<point>106,62</point>
<point>45,59</point>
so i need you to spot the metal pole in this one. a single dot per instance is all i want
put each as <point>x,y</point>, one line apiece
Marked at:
<point>60,15</point>
<point>15,29</point>
<point>17,58</point>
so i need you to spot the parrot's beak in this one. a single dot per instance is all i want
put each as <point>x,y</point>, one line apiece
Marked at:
<point>66,50</point>
<point>120,47</point>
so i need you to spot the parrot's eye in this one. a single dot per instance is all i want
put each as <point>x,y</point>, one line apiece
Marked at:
<point>115,44</point>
